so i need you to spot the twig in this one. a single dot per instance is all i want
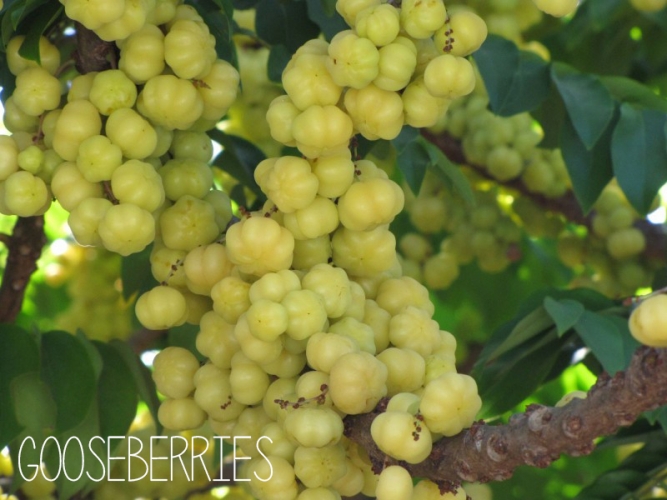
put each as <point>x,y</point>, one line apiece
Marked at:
<point>540,435</point>
<point>566,205</point>
<point>25,247</point>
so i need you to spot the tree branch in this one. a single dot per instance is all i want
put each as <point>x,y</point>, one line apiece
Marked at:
<point>540,435</point>
<point>25,247</point>
<point>567,205</point>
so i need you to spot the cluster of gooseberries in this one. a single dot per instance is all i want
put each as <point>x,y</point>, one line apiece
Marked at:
<point>311,319</point>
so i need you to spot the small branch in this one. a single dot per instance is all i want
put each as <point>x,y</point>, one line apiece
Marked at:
<point>25,247</point>
<point>540,435</point>
<point>566,205</point>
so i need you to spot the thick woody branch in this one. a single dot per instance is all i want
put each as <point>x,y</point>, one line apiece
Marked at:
<point>566,205</point>
<point>25,247</point>
<point>540,435</point>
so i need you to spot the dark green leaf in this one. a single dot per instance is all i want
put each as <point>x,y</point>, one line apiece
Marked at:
<point>590,171</point>
<point>116,393</point>
<point>639,154</point>
<point>551,115</point>
<point>534,324</point>
<point>237,194</point>
<point>629,344</point>
<point>633,473</point>
<point>19,355</point>
<point>603,337</point>
<point>135,273</point>
<point>565,313</point>
<point>76,459</point>
<point>284,22</point>
<point>143,380</point>
<point>323,13</point>
<point>659,416</point>
<point>238,158</point>
<point>185,336</point>
<point>24,9</point>
<point>34,406</point>
<point>412,161</point>
<point>7,80</point>
<point>41,21</point>
<point>407,135</point>
<point>630,91</point>
<point>604,12</point>
<point>516,375</point>
<point>279,56</point>
<point>95,359</point>
<point>244,4</point>
<point>588,103</point>
<point>516,81</point>
<point>69,373</point>
<point>449,172</point>
<point>7,28</point>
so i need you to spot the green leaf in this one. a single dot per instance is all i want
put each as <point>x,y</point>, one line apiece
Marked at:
<point>604,12</point>
<point>284,22</point>
<point>412,161</point>
<point>534,324</point>
<point>564,312</point>
<point>279,56</point>
<point>76,459</point>
<point>143,380</point>
<point>69,373</point>
<point>449,172</point>
<point>633,473</point>
<point>603,337</point>
<point>34,406</point>
<point>116,393</point>
<point>244,4</point>
<point>94,356</point>
<point>238,158</point>
<point>588,103</point>
<point>19,355</point>
<point>324,14</point>
<point>407,135</point>
<point>590,170</point>
<point>516,81</point>
<point>516,375</point>
<point>639,154</point>
<point>46,16</point>
<point>551,115</point>
<point>632,92</point>
<point>135,273</point>
<point>7,28</point>
<point>185,336</point>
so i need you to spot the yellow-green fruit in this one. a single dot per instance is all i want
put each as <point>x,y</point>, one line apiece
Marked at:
<point>557,8</point>
<point>648,322</point>
<point>449,76</point>
<point>462,35</point>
